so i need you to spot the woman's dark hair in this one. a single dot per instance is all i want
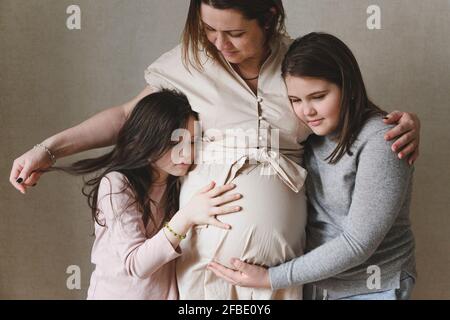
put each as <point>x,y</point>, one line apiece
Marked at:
<point>143,139</point>
<point>269,13</point>
<point>321,55</point>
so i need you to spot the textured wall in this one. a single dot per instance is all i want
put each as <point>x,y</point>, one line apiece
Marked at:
<point>52,78</point>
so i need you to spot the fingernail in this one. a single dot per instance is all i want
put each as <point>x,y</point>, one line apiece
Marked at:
<point>400,155</point>
<point>19,181</point>
<point>386,118</point>
<point>34,185</point>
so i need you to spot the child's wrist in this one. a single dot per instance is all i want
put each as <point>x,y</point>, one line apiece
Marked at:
<point>182,221</point>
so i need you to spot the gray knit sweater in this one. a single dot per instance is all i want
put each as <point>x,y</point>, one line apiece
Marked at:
<point>358,217</point>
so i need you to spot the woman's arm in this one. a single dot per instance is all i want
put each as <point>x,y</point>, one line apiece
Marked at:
<point>99,131</point>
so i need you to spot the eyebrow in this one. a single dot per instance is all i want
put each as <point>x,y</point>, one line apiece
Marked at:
<point>237,30</point>
<point>312,94</point>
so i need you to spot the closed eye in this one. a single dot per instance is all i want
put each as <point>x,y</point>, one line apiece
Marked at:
<point>237,35</point>
<point>233,34</point>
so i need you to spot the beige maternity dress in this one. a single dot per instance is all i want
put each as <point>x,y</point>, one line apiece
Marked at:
<point>254,141</point>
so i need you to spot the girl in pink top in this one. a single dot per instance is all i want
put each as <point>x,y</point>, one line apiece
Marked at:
<point>137,192</point>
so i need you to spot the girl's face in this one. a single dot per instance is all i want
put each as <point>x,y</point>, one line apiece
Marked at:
<point>237,38</point>
<point>316,102</point>
<point>178,159</point>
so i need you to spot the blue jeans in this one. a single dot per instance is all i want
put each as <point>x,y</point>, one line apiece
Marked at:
<point>311,292</point>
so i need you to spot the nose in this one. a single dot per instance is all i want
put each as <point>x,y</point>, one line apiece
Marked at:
<point>186,155</point>
<point>308,110</point>
<point>221,41</point>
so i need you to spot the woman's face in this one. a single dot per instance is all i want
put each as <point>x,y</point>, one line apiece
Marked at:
<point>237,38</point>
<point>178,160</point>
<point>316,102</point>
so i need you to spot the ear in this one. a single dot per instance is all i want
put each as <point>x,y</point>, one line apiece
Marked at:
<point>270,17</point>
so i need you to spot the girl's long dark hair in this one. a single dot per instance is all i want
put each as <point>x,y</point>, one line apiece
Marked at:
<point>143,139</point>
<point>321,55</point>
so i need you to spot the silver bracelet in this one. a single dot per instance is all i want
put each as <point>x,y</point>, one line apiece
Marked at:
<point>51,155</point>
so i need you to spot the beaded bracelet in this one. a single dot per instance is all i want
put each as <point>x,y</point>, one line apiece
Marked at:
<point>179,236</point>
<point>51,155</point>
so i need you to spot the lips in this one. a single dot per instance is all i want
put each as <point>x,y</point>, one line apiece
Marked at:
<point>225,53</point>
<point>315,123</point>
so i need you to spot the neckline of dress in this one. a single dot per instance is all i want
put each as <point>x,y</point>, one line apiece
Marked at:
<point>274,46</point>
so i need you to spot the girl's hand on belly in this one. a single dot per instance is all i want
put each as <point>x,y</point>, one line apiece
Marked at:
<point>209,203</point>
<point>247,275</point>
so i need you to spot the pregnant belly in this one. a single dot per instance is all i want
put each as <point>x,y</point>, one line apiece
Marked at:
<point>268,231</point>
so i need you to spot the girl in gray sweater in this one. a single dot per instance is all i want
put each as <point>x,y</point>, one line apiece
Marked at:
<point>359,239</point>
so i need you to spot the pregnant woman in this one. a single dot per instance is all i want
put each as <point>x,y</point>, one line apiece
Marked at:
<point>229,68</point>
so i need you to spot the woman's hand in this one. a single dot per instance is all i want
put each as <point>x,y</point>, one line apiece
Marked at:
<point>26,169</point>
<point>407,133</point>
<point>208,203</point>
<point>247,275</point>
<point>106,125</point>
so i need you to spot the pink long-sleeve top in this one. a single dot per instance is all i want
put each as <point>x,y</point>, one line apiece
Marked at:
<point>131,261</point>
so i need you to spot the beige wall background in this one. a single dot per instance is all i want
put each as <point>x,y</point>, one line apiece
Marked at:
<point>52,78</point>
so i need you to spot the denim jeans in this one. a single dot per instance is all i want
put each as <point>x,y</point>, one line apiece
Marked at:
<point>312,292</point>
